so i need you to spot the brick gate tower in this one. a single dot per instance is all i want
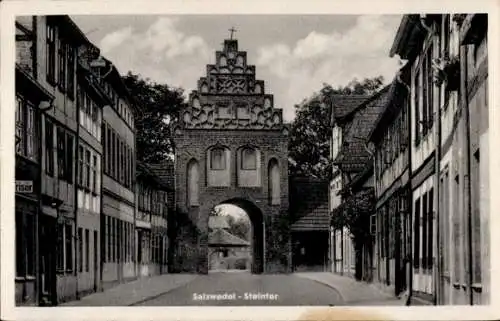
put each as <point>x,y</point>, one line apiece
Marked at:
<point>231,147</point>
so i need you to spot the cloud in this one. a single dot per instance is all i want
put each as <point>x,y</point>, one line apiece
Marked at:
<point>116,38</point>
<point>161,52</point>
<point>335,58</point>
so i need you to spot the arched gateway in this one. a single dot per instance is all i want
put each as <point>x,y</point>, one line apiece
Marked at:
<point>231,148</point>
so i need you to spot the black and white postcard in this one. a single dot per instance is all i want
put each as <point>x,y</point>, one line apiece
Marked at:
<point>248,160</point>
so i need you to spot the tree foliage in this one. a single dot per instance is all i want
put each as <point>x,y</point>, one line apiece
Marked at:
<point>355,215</point>
<point>158,107</point>
<point>237,226</point>
<point>310,131</point>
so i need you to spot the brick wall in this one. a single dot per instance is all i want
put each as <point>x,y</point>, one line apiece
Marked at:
<point>194,144</point>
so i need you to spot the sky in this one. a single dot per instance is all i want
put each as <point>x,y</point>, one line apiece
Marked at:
<point>234,211</point>
<point>293,54</point>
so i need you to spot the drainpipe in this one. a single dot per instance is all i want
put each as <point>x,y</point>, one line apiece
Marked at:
<point>39,113</point>
<point>465,108</point>
<point>75,203</point>
<point>410,190</point>
<point>437,277</point>
<point>102,221</point>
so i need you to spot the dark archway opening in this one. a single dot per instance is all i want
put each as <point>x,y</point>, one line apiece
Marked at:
<point>236,237</point>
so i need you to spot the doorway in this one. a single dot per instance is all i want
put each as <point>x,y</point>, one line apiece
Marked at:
<point>236,237</point>
<point>47,260</point>
<point>96,261</point>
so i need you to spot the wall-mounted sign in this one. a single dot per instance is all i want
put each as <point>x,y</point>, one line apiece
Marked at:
<point>24,186</point>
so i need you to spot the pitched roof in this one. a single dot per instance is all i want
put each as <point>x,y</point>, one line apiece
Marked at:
<point>354,153</point>
<point>217,222</point>
<point>395,100</point>
<point>145,171</point>
<point>344,105</point>
<point>220,237</point>
<point>309,204</point>
<point>165,172</point>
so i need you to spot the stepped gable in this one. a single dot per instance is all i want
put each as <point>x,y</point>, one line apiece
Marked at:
<point>229,96</point>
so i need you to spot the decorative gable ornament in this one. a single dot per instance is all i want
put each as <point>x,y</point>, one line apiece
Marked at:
<point>229,96</point>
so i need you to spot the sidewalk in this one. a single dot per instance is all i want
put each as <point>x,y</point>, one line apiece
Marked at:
<point>353,292</point>
<point>134,292</point>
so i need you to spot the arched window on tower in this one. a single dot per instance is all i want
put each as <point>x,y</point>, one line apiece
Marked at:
<point>274,182</point>
<point>248,159</point>
<point>217,159</point>
<point>193,183</point>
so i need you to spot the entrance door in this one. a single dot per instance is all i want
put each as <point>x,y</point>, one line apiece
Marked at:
<point>96,262</point>
<point>47,260</point>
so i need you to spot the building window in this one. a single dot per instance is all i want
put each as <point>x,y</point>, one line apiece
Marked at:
<point>25,244</point>
<point>69,247</point>
<point>423,231</point>
<point>193,183</point>
<point>61,153</point>
<point>80,166</point>
<point>416,235</point>
<point>418,122</point>
<point>71,71</point>
<point>69,158</point>
<point>95,188</point>
<point>60,248</point>
<point>248,159</point>
<point>49,147</point>
<point>114,228</point>
<point>26,143</point>
<point>30,132</point>
<point>430,229</point>
<point>113,155</point>
<point>108,238</point>
<point>122,162</point>
<point>274,182</point>
<point>62,65</point>
<point>424,91</point>
<point>108,149</point>
<point>104,147</point>
<point>80,250</point>
<point>51,53</point>
<point>87,250</point>
<point>20,125</point>
<point>64,155</point>
<point>217,159</point>
<point>87,169</point>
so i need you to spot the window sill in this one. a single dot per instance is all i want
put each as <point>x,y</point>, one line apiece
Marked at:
<point>25,278</point>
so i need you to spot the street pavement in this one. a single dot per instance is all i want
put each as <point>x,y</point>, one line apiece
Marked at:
<point>241,288</point>
<point>245,289</point>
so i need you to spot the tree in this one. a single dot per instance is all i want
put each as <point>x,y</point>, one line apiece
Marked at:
<point>239,227</point>
<point>310,131</point>
<point>158,109</point>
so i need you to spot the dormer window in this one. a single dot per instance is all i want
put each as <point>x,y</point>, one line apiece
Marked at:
<point>217,159</point>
